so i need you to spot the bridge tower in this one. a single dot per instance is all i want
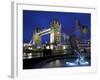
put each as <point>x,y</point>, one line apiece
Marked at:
<point>55,33</point>
<point>36,37</point>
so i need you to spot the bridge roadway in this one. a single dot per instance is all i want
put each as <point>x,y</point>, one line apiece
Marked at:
<point>44,32</point>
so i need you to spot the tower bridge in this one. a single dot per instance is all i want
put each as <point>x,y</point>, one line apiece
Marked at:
<point>44,32</point>
<point>54,31</point>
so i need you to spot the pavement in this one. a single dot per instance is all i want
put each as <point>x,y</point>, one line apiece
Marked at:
<point>51,61</point>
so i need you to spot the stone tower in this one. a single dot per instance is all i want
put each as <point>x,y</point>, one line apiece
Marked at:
<point>37,37</point>
<point>55,33</point>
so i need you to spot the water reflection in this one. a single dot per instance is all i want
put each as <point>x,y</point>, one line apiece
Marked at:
<point>66,63</point>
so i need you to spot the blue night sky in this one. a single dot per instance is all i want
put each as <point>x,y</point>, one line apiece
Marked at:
<point>42,19</point>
